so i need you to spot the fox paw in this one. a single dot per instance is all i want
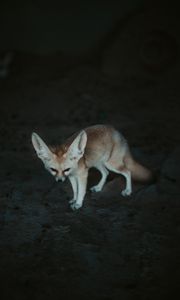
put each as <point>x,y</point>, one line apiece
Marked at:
<point>96,188</point>
<point>75,206</point>
<point>72,201</point>
<point>126,192</point>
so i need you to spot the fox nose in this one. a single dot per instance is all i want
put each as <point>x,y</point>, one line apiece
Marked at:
<point>60,179</point>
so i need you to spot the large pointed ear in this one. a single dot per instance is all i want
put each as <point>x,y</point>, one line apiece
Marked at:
<point>76,149</point>
<point>42,150</point>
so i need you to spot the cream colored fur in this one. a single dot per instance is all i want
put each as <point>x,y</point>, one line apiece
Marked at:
<point>99,146</point>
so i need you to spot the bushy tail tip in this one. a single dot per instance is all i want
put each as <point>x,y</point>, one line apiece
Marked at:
<point>139,172</point>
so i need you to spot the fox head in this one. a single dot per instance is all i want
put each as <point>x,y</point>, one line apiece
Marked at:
<point>63,164</point>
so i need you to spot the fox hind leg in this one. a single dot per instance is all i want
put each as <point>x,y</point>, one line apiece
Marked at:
<point>126,173</point>
<point>128,189</point>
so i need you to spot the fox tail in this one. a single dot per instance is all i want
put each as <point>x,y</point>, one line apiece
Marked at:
<point>139,172</point>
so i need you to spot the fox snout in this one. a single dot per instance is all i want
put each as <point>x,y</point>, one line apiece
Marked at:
<point>62,178</point>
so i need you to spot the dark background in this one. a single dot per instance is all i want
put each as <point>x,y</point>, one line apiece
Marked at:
<point>64,66</point>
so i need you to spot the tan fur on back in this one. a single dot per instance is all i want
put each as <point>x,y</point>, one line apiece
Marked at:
<point>104,143</point>
<point>101,140</point>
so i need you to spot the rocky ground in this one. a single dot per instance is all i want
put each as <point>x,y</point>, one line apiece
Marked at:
<point>113,247</point>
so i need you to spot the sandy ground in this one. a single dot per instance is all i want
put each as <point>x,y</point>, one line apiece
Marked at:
<point>114,247</point>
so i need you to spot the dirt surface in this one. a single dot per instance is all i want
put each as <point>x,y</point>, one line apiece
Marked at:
<point>113,247</point>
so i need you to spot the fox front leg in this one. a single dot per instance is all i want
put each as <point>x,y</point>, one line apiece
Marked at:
<point>81,191</point>
<point>104,172</point>
<point>74,184</point>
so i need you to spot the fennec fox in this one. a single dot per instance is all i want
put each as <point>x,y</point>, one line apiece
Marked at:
<point>99,146</point>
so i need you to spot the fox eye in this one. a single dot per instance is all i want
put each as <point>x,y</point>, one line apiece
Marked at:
<point>53,170</point>
<point>66,170</point>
